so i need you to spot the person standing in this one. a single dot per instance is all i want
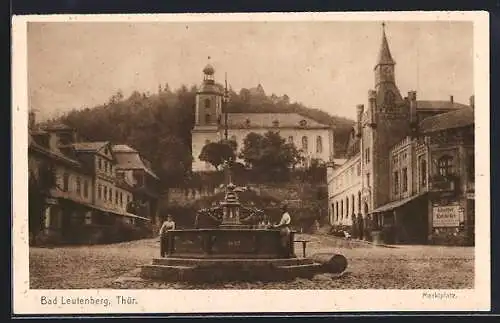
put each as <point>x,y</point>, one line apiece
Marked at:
<point>167,225</point>
<point>285,231</point>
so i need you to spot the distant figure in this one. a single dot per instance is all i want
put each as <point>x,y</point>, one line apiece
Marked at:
<point>167,225</point>
<point>347,235</point>
<point>284,226</point>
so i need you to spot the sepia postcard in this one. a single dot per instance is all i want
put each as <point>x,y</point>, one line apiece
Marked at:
<point>230,163</point>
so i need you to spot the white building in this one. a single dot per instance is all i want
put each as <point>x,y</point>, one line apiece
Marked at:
<point>313,138</point>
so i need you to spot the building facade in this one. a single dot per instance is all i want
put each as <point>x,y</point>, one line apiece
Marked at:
<point>76,186</point>
<point>314,139</point>
<point>384,144</point>
<point>134,171</point>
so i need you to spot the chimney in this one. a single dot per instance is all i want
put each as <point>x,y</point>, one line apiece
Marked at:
<point>412,98</point>
<point>451,99</point>
<point>471,101</point>
<point>359,114</point>
<point>372,107</point>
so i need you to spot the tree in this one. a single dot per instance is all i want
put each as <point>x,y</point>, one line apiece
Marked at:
<point>216,153</point>
<point>269,155</point>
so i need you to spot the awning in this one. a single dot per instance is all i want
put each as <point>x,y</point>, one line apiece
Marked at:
<point>99,208</point>
<point>394,204</point>
<point>130,215</point>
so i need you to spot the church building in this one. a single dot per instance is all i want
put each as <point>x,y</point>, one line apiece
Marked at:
<point>314,139</point>
<point>365,191</point>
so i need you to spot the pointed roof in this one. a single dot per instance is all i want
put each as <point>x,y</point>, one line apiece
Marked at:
<point>384,56</point>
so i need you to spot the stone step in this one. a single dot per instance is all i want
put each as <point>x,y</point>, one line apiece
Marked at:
<point>167,273</point>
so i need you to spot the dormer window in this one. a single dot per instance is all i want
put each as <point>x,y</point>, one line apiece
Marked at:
<point>303,123</point>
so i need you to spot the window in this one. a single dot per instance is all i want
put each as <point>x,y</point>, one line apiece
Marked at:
<point>445,165</point>
<point>121,198</point>
<point>368,179</point>
<point>337,210</point>
<point>405,179</point>
<point>99,160</point>
<point>341,209</point>
<point>319,145</point>
<point>389,98</point>
<point>367,155</point>
<point>304,144</point>
<point>395,187</point>
<point>207,118</point>
<point>78,185</point>
<point>88,218</point>
<point>290,139</point>
<point>423,172</point>
<point>352,204</point>
<point>85,189</point>
<point>110,194</point>
<point>207,103</point>
<point>347,207</point>
<point>65,182</point>
<point>105,193</point>
<point>470,168</point>
<point>358,169</point>
<point>359,202</point>
<point>116,197</point>
<point>99,191</point>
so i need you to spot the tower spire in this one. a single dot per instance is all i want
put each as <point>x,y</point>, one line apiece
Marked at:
<point>384,56</point>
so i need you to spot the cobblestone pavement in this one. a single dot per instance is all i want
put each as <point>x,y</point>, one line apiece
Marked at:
<point>370,267</point>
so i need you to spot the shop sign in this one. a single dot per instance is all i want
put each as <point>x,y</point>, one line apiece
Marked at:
<point>446,216</point>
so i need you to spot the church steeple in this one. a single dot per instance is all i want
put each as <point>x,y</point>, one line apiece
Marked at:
<point>384,69</point>
<point>384,55</point>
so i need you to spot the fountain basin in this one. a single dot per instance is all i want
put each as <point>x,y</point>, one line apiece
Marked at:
<point>227,242</point>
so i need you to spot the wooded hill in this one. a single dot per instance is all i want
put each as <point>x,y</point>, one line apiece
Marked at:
<point>159,125</point>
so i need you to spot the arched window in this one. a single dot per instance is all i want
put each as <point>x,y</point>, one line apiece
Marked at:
<point>207,118</point>
<point>319,145</point>
<point>337,210</point>
<point>423,172</point>
<point>352,204</point>
<point>304,144</point>
<point>359,202</point>
<point>65,182</point>
<point>207,103</point>
<point>347,207</point>
<point>389,98</point>
<point>445,165</point>
<point>341,209</point>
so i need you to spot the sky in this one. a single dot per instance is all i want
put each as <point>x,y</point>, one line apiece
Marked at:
<point>326,65</point>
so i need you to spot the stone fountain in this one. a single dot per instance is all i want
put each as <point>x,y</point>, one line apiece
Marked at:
<point>239,248</point>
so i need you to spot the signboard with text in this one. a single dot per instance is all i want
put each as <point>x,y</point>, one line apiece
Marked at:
<point>445,216</point>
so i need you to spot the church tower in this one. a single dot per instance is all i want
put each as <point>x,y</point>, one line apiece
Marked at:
<point>385,123</point>
<point>208,115</point>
